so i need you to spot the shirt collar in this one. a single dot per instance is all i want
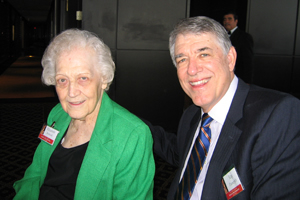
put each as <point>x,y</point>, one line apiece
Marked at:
<point>220,110</point>
<point>231,31</point>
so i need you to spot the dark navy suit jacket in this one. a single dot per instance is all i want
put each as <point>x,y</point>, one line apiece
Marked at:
<point>260,137</point>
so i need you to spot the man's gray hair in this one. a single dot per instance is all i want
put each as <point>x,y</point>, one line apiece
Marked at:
<point>199,25</point>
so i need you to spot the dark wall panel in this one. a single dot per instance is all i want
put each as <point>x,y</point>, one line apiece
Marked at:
<point>297,49</point>
<point>272,25</point>
<point>100,17</point>
<point>147,24</point>
<point>273,72</point>
<point>296,77</point>
<point>138,31</point>
<point>147,85</point>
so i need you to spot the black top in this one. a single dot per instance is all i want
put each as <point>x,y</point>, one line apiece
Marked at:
<point>62,173</point>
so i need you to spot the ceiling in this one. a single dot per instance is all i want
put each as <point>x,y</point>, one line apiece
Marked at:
<point>34,11</point>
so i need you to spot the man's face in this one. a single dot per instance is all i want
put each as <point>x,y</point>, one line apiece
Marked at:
<point>204,72</point>
<point>229,22</point>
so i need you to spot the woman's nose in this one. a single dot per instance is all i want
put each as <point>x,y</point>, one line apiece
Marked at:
<point>73,89</point>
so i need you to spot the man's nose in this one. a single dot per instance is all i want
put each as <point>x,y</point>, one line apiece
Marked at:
<point>194,67</point>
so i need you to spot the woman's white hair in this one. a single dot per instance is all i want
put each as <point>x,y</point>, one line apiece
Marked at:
<point>70,39</point>
<point>197,26</point>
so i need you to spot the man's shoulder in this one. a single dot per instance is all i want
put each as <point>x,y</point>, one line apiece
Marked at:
<point>241,34</point>
<point>266,97</point>
<point>191,114</point>
<point>255,89</point>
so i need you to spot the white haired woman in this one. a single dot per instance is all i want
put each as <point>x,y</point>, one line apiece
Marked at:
<point>101,150</point>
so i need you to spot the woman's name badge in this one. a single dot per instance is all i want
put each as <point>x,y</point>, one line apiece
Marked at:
<point>232,184</point>
<point>48,134</point>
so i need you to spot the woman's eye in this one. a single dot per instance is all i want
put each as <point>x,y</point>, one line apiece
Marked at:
<point>61,80</point>
<point>83,79</point>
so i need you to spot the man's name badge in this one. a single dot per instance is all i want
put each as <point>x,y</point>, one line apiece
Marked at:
<point>48,134</point>
<point>232,184</point>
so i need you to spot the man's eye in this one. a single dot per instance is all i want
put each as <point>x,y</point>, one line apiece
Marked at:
<point>181,60</point>
<point>204,55</point>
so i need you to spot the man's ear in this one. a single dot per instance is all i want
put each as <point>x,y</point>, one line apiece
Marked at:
<point>231,57</point>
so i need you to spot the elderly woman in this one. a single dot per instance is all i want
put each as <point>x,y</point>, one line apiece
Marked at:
<point>101,150</point>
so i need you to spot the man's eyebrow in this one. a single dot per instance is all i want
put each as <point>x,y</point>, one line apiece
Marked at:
<point>198,50</point>
<point>178,56</point>
<point>203,49</point>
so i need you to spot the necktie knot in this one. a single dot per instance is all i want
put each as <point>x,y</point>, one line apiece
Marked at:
<point>206,120</point>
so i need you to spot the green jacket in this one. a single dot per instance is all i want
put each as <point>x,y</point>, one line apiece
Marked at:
<point>118,163</point>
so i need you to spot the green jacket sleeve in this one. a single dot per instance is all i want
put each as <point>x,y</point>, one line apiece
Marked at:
<point>29,186</point>
<point>136,168</point>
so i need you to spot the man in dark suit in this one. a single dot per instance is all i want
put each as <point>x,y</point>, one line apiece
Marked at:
<point>243,43</point>
<point>255,133</point>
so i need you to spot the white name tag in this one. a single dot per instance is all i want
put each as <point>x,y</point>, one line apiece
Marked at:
<point>48,134</point>
<point>232,184</point>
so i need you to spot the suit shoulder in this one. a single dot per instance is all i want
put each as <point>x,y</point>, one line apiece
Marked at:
<point>190,115</point>
<point>267,97</point>
<point>243,34</point>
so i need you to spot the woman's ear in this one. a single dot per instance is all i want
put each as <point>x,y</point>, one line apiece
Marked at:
<point>104,84</point>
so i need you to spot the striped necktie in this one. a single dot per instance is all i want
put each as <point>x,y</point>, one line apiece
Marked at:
<point>196,160</point>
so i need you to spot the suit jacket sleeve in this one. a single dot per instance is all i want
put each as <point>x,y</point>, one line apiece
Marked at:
<point>165,144</point>
<point>275,159</point>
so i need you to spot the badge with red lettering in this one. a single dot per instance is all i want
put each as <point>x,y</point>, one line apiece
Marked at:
<point>231,183</point>
<point>48,133</point>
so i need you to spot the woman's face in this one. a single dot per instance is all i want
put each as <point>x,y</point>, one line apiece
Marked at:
<point>78,85</point>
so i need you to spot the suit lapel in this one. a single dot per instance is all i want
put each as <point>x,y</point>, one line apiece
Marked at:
<point>226,144</point>
<point>190,137</point>
<point>186,144</point>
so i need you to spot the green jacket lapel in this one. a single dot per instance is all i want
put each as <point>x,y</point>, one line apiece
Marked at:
<point>90,176</point>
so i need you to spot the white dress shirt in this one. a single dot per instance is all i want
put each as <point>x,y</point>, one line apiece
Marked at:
<point>218,113</point>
